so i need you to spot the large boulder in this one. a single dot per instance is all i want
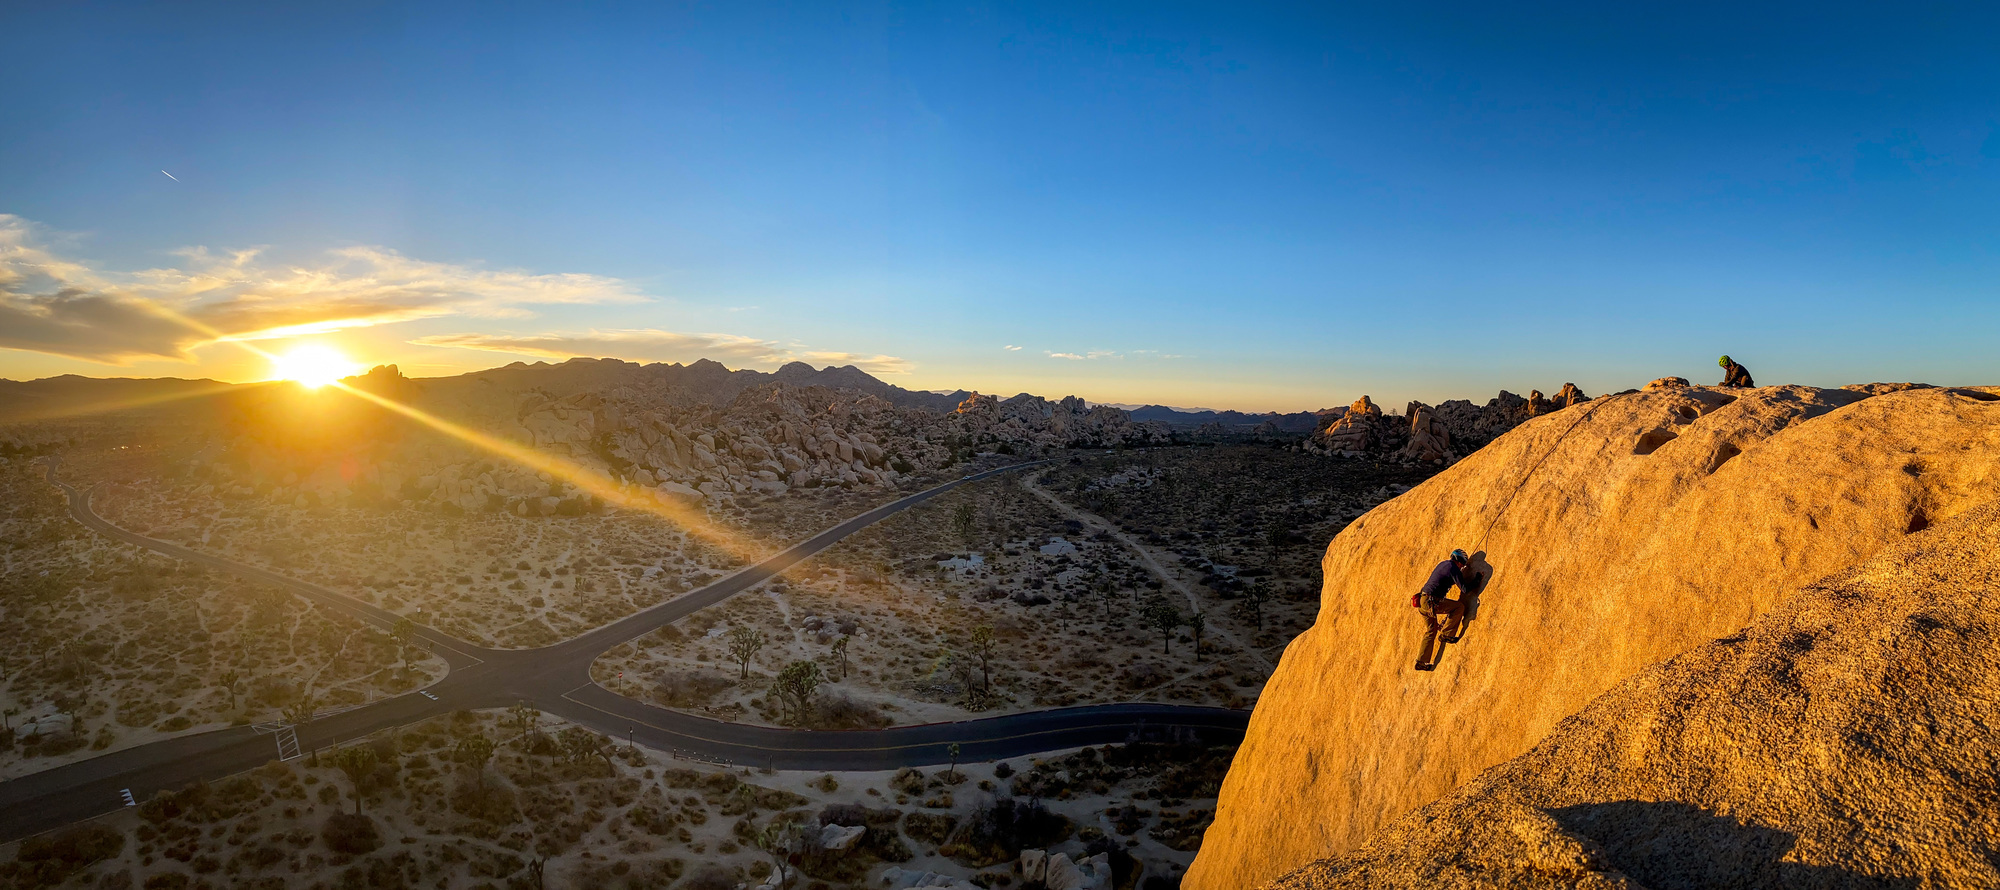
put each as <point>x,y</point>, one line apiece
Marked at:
<point>1617,534</point>
<point>1843,740</point>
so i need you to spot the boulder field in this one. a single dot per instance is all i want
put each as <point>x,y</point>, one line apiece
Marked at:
<point>1617,533</point>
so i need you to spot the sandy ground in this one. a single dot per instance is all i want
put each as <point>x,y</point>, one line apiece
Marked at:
<point>107,646</point>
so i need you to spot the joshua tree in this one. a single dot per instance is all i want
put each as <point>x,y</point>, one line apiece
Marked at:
<point>404,631</point>
<point>982,646</point>
<point>1254,598</point>
<point>794,689</point>
<point>300,712</point>
<point>1163,617</point>
<point>582,744</point>
<point>357,761</point>
<point>779,841</point>
<point>228,684</point>
<point>840,654</point>
<point>953,751</point>
<point>963,519</point>
<point>744,641</point>
<point>523,718</point>
<point>474,751</point>
<point>1196,620</point>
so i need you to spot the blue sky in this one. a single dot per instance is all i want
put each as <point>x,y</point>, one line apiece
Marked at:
<point>1251,207</point>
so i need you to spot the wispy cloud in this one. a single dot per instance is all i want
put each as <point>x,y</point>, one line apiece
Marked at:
<point>1090,355</point>
<point>662,346</point>
<point>873,364</point>
<point>1011,348</point>
<point>60,306</point>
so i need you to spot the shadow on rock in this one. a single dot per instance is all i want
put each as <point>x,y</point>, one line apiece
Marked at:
<point>1668,845</point>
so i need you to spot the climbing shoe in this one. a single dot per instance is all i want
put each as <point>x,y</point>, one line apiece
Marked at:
<point>1426,667</point>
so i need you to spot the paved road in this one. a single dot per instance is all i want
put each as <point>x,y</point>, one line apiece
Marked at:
<point>556,679</point>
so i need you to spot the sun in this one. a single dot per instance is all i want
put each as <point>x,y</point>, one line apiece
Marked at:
<point>313,365</point>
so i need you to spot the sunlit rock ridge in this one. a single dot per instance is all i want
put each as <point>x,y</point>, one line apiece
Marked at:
<point>1620,532</point>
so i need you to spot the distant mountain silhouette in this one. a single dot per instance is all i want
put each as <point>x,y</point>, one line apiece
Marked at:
<point>76,394</point>
<point>705,381</point>
<point>1296,422</point>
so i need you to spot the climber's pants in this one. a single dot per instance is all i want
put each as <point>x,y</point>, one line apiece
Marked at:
<point>1440,615</point>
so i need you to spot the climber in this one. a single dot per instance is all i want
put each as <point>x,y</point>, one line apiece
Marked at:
<point>1734,374</point>
<point>1441,614</point>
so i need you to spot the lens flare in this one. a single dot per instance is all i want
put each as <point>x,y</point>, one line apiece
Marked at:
<point>313,365</point>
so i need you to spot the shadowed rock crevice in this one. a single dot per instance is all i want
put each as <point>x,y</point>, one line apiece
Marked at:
<point>1651,440</point>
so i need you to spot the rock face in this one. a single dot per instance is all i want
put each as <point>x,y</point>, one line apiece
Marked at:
<point>1617,534</point>
<point>1844,740</point>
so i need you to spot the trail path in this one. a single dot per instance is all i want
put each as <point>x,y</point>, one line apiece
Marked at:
<point>1153,564</point>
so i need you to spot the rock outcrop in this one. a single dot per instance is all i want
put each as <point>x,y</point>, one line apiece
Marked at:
<point>1436,435</point>
<point>1618,533</point>
<point>1846,739</point>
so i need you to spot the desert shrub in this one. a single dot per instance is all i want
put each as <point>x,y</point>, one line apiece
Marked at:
<point>167,880</point>
<point>1002,770</point>
<point>257,856</point>
<point>929,828</point>
<point>856,814</point>
<point>351,834</point>
<point>908,780</point>
<point>714,786</point>
<point>379,873</point>
<point>679,778</point>
<point>710,877</point>
<point>628,874</point>
<point>690,689</point>
<point>488,804</point>
<point>652,820</point>
<point>838,710</point>
<point>997,832</point>
<point>1141,675</point>
<point>49,860</point>
<point>138,713</point>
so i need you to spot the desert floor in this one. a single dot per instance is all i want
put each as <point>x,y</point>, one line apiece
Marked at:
<point>513,799</point>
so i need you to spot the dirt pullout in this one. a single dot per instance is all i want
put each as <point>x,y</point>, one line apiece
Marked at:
<point>1844,740</point>
<point>1618,533</point>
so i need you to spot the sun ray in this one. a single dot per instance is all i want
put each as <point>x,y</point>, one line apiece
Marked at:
<point>610,490</point>
<point>585,478</point>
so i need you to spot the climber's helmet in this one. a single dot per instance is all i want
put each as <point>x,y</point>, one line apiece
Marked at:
<point>1458,556</point>
<point>1723,362</point>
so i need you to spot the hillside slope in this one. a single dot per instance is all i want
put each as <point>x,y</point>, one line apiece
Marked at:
<point>1618,533</point>
<point>1848,739</point>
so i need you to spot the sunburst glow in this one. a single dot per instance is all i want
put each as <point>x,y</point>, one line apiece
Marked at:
<point>312,365</point>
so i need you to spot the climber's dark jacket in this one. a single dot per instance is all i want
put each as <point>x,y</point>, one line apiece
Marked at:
<point>1442,578</point>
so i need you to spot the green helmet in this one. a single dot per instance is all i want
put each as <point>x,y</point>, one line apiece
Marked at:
<point>1723,361</point>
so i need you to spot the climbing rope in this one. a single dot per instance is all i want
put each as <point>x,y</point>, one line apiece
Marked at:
<point>1601,402</point>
